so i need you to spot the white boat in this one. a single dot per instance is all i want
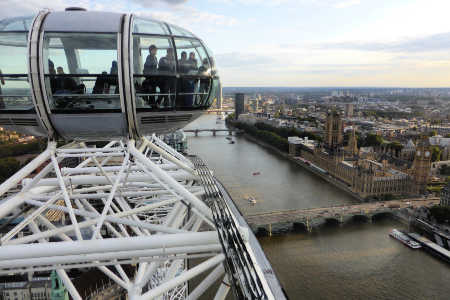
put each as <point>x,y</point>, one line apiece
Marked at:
<point>251,200</point>
<point>398,235</point>
<point>220,118</point>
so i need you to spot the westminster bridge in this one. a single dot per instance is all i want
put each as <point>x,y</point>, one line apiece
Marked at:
<point>287,220</point>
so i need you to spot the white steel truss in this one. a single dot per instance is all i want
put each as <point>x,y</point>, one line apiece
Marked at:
<point>129,209</point>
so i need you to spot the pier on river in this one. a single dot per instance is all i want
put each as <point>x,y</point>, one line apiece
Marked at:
<point>313,217</point>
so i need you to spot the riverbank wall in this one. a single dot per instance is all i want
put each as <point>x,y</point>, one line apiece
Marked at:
<point>336,182</point>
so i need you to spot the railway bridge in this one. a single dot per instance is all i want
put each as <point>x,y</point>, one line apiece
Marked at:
<point>313,217</point>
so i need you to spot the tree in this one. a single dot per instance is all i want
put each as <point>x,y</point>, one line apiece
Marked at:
<point>433,133</point>
<point>8,166</point>
<point>440,213</point>
<point>372,140</point>
<point>20,149</point>
<point>435,153</point>
<point>444,170</point>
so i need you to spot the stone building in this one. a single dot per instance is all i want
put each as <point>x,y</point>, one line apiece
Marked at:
<point>35,290</point>
<point>334,130</point>
<point>352,146</point>
<point>408,151</point>
<point>359,169</point>
<point>421,166</point>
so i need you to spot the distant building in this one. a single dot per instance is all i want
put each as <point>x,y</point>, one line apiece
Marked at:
<point>219,97</point>
<point>294,146</point>
<point>40,289</point>
<point>445,195</point>
<point>438,140</point>
<point>349,110</point>
<point>239,104</point>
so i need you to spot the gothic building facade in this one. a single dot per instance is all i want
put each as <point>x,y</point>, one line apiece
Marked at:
<point>334,129</point>
<point>421,166</point>
<point>359,170</point>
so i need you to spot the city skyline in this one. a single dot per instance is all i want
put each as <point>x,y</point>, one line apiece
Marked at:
<point>303,43</point>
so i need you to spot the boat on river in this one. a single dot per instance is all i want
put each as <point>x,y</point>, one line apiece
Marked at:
<point>398,235</point>
<point>251,199</point>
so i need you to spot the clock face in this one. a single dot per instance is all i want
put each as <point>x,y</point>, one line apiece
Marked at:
<point>418,153</point>
<point>427,154</point>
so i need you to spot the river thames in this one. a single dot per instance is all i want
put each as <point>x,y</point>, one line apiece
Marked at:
<point>357,261</point>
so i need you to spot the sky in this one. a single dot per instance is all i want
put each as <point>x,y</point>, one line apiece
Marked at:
<point>302,42</point>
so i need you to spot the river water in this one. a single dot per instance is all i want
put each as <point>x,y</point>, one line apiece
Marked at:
<point>357,261</point>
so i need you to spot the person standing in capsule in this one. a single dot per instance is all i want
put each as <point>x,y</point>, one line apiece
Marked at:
<point>166,67</point>
<point>150,68</point>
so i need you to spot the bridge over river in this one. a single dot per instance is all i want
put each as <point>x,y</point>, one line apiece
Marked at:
<point>309,218</point>
<point>213,130</point>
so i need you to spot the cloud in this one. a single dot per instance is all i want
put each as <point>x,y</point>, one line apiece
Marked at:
<point>175,12</point>
<point>244,60</point>
<point>348,3</point>
<point>14,8</point>
<point>189,17</point>
<point>147,3</point>
<point>325,3</point>
<point>435,42</point>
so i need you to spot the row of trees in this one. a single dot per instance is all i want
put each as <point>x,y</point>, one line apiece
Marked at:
<point>370,140</point>
<point>21,149</point>
<point>287,132</point>
<point>267,136</point>
<point>8,166</point>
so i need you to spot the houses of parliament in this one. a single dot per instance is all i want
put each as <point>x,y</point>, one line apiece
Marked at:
<point>368,173</point>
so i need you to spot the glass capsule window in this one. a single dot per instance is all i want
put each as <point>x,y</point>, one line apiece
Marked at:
<point>194,70</point>
<point>81,72</point>
<point>14,86</point>
<point>149,27</point>
<point>180,31</point>
<point>16,24</point>
<point>212,61</point>
<point>192,57</point>
<point>154,72</point>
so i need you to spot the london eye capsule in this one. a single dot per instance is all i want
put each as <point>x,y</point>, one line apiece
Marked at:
<point>85,75</point>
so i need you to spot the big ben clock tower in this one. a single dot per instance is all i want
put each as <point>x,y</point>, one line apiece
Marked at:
<point>421,166</point>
